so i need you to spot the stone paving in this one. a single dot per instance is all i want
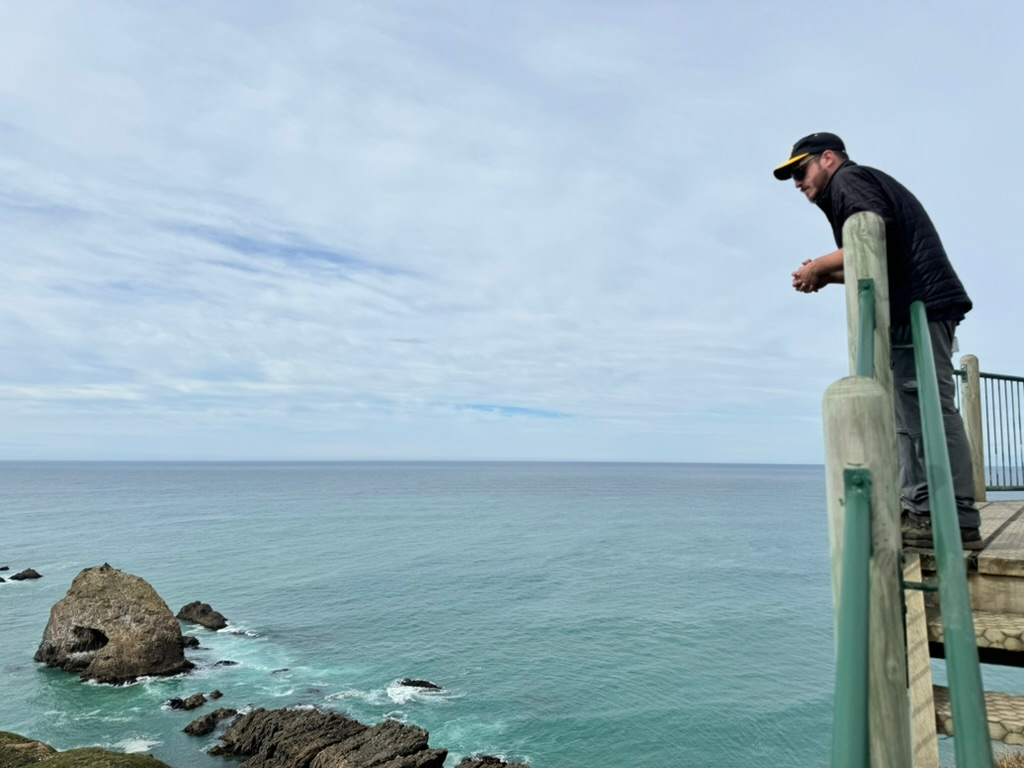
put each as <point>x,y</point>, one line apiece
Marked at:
<point>1005,715</point>
<point>993,630</point>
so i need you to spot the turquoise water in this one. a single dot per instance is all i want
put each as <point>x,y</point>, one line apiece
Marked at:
<point>600,615</point>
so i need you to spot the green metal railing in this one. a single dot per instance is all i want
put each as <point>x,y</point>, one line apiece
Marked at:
<point>1004,437</point>
<point>851,739</point>
<point>866,328</point>
<point>851,743</point>
<point>967,696</point>
<point>1001,402</point>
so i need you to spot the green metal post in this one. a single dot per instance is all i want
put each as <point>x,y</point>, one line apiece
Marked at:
<point>866,328</point>
<point>850,737</point>
<point>967,696</point>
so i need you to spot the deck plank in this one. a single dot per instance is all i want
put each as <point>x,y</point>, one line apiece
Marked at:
<point>1004,555</point>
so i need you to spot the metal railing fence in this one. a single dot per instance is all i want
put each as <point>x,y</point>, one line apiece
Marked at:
<point>1003,440</point>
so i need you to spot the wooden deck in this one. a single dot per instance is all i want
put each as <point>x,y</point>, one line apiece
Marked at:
<point>995,576</point>
<point>995,572</point>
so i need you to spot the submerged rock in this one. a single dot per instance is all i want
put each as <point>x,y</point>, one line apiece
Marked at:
<point>486,761</point>
<point>309,738</point>
<point>28,573</point>
<point>19,752</point>
<point>112,627</point>
<point>203,615</point>
<point>425,684</point>
<point>207,723</point>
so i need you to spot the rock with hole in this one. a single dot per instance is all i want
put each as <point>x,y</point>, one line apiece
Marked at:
<point>112,627</point>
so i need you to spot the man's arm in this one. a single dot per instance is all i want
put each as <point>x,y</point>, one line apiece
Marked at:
<point>815,274</point>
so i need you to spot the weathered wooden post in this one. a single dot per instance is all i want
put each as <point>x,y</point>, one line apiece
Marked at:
<point>858,422</point>
<point>971,411</point>
<point>860,432</point>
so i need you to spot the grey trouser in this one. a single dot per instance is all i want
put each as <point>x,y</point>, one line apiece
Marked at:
<point>913,480</point>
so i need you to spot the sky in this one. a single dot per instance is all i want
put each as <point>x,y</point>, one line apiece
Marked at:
<point>537,230</point>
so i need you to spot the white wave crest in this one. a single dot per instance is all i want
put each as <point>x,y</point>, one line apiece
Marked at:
<point>239,629</point>
<point>403,694</point>
<point>376,697</point>
<point>136,744</point>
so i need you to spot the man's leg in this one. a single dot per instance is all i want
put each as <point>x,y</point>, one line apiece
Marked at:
<point>910,444</point>
<point>959,448</point>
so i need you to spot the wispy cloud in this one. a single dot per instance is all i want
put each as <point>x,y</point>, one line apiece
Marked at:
<point>512,410</point>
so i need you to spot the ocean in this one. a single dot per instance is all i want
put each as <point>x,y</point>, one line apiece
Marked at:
<point>598,615</point>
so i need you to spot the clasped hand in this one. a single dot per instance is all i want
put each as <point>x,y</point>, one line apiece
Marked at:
<point>808,279</point>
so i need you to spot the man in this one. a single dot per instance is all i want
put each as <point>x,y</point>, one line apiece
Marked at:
<point>919,270</point>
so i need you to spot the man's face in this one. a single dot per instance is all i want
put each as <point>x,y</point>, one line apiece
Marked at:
<point>811,176</point>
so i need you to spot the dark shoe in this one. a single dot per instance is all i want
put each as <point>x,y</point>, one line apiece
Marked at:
<point>971,538</point>
<point>916,530</point>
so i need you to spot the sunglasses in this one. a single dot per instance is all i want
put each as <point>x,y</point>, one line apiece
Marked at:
<point>800,172</point>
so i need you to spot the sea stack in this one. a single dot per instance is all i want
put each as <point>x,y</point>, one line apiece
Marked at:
<point>112,627</point>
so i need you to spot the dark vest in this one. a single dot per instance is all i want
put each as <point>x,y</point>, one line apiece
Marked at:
<point>919,269</point>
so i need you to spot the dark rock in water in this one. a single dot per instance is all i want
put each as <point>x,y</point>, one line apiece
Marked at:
<point>209,722</point>
<point>426,684</point>
<point>112,627</point>
<point>187,641</point>
<point>18,752</point>
<point>216,695</point>
<point>225,663</point>
<point>279,671</point>
<point>2,581</point>
<point>309,738</point>
<point>192,702</point>
<point>28,573</point>
<point>5,567</point>
<point>486,761</point>
<point>202,614</point>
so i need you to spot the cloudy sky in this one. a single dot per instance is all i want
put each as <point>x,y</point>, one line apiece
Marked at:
<point>469,230</point>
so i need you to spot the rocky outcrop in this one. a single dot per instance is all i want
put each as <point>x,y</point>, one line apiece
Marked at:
<point>28,573</point>
<point>187,641</point>
<point>309,738</point>
<point>207,723</point>
<point>203,615</point>
<point>112,627</point>
<point>18,752</point>
<point>486,761</point>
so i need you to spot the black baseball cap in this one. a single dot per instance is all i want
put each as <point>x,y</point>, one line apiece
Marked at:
<point>814,144</point>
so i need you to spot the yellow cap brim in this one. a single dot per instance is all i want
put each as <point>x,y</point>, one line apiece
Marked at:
<point>785,171</point>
